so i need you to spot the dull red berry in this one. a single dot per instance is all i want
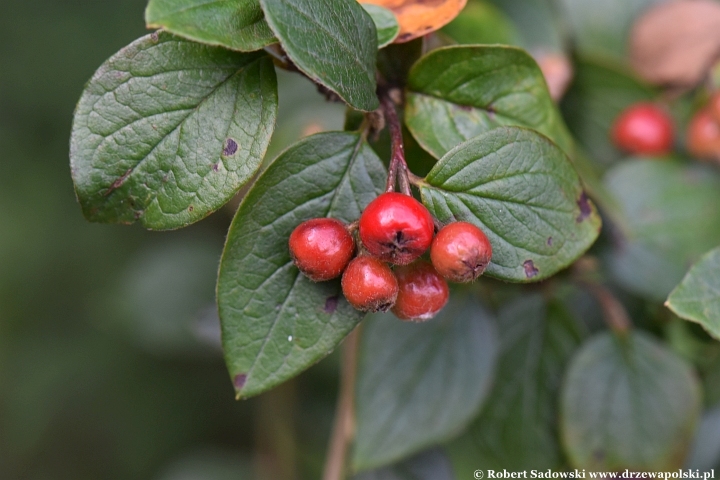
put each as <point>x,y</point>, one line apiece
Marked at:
<point>423,292</point>
<point>321,248</point>
<point>460,252</point>
<point>643,129</point>
<point>369,285</point>
<point>703,135</point>
<point>396,228</point>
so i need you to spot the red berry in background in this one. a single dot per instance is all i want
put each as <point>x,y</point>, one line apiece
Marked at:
<point>321,248</point>
<point>460,252</point>
<point>423,292</point>
<point>703,135</point>
<point>396,228</point>
<point>369,285</point>
<point>643,129</point>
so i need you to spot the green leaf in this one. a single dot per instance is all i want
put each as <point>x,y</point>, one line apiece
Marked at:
<point>600,91</point>
<point>697,298</point>
<point>705,451</point>
<point>276,322</point>
<point>429,465</point>
<point>523,192</point>
<point>420,384</point>
<point>168,130</point>
<point>541,28</point>
<point>672,219</point>
<point>456,93</point>
<point>334,42</point>
<point>628,403</point>
<point>482,22</point>
<point>234,24</point>
<point>385,23</point>
<point>517,426</point>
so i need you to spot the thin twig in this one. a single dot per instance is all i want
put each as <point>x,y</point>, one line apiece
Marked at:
<point>398,169</point>
<point>614,313</point>
<point>344,425</point>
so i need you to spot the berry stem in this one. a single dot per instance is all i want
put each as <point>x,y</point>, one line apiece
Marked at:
<point>398,169</point>
<point>344,424</point>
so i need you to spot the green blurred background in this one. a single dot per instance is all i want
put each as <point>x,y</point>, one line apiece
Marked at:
<point>110,366</point>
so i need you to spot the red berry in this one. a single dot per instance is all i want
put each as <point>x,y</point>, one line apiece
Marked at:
<point>369,285</point>
<point>423,292</point>
<point>643,129</point>
<point>321,248</point>
<point>460,252</point>
<point>396,228</point>
<point>703,136</point>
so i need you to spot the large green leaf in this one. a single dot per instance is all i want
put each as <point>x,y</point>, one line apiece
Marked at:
<point>600,91</point>
<point>523,192</point>
<point>481,22</point>
<point>697,298</point>
<point>334,42</point>
<point>386,24</point>
<point>276,322</point>
<point>420,384</point>
<point>628,403</point>
<point>705,451</point>
<point>672,219</point>
<point>168,130</point>
<point>235,24</point>
<point>517,426</point>
<point>456,93</point>
<point>429,465</point>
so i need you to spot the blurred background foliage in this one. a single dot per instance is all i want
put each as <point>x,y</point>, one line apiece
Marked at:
<point>110,365</point>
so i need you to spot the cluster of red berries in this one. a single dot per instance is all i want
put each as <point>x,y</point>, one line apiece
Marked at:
<point>396,229</point>
<point>647,129</point>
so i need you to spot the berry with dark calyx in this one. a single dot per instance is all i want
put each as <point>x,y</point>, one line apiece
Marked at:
<point>369,285</point>
<point>643,129</point>
<point>460,252</point>
<point>396,228</point>
<point>423,292</point>
<point>703,135</point>
<point>321,248</point>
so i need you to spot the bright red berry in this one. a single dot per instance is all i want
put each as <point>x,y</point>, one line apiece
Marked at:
<point>703,135</point>
<point>321,248</point>
<point>423,292</point>
<point>643,129</point>
<point>460,252</point>
<point>369,285</point>
<point>396,228</point>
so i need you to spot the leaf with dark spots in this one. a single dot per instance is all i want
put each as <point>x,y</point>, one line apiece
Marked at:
<point>239,381</point>
<point>585,208</point>
<point>153,121</point>
<point>262,298</point>
<point>455,93</point>
<point>231,147</point>
<point>530,269</point>
<point>331,304</point>
<point>520,189</point>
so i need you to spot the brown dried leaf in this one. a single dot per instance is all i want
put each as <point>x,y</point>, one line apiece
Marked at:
<point>676,43</point>
<point>419,17</point>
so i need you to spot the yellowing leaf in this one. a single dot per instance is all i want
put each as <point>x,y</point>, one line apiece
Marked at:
<point>417,18</point>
